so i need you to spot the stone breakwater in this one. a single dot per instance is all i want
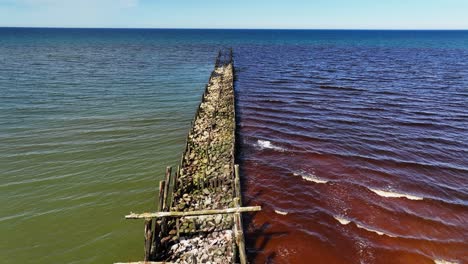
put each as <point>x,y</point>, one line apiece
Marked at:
<point>199,218</point>
<point>205,179</point>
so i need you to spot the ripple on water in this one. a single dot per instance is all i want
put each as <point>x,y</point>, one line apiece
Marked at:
<point>350,138</point>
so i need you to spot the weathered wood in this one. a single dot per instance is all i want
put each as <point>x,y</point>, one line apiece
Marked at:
<point>144,262</point>
<point>237,184</point>
<point>176,179</point>
<point>148,239</point>
<point>194,213</point>
<point>166,189</point>
<point>239,233</point>
<point>238,218</point>
<point>218,101</point>
<point>156,239</point>
<point>162,186</point>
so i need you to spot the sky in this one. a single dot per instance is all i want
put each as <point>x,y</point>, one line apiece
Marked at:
<point>289,14</point>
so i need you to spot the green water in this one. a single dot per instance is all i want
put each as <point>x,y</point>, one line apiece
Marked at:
<point>87,126</point>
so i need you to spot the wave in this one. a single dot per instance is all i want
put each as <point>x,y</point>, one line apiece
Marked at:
<point>380,233</point>
<point>342,220</point>
<point>333,87</point>
<point>441,261</point>
<point>265,144</point>
<point>390,194</point>
<point>345,221</point>
<point>281,212</point>
<point>310,177</point>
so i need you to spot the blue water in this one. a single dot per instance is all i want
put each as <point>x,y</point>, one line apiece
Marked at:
<point>89,118</point>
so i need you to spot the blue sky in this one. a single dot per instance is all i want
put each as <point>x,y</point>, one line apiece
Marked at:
<point>341,14</point>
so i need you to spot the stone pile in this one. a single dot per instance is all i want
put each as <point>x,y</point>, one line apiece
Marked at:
<point>206,179</point>
<point>214,247</point>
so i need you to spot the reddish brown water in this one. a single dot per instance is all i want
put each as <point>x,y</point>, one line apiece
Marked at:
<point>357,155</point>
<point>90,118</point>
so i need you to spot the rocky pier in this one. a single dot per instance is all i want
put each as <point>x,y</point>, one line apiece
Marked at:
<point>199,218</point>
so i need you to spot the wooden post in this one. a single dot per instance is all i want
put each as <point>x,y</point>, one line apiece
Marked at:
<point>156,240</point>
<point>157,228</point>
<point>145,262</point>
<point>238,218</point>
<point>148,238</point>
<point>166,189</point>
<point>239,234</point>
<point>237,183</point>
<point>176,178</point>
<point>162,186</point>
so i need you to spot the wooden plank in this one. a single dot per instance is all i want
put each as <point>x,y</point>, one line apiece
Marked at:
<point>144,262</point>
<point>194,213</point>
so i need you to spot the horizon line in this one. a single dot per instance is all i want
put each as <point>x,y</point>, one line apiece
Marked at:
<point>227,28</point>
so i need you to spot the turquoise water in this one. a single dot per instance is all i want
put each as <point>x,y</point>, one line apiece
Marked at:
<point>90,118</point>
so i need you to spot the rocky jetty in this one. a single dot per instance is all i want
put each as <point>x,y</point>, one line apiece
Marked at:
<point>199,218</point>
<point>206,179</point>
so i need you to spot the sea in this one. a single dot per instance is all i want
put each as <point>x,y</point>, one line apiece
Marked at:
<point>354,142</point>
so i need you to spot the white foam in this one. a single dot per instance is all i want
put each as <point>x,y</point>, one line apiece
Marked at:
<point>342,220</point>
<point>390,194</point>
<point>265,144</point>
<point>380,233</point>
<point>345,221</point>
<point>281,212</point>
<point>441,261</point>
<point>310,177</point>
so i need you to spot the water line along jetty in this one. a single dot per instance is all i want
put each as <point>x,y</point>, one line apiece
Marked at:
<point>199,217</point>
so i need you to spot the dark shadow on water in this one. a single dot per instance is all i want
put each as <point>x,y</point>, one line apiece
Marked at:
<point>257,239</point>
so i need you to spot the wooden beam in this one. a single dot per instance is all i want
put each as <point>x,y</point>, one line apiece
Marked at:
<point>194,213</point>
<point>144,262</point>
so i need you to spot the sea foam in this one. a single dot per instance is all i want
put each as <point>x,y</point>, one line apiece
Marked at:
<point>441,261</point>
<point>310,177</point>
<point>378,232</point>
<point>281,212</point>
<point>390,194</point>
<point>345,221</point>
<point>342,220</point>
<point>265,144</point>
